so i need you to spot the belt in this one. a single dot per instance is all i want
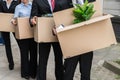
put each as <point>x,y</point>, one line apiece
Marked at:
<point>47,15</point>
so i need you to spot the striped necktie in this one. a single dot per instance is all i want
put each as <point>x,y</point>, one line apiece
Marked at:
<point>53,4</point>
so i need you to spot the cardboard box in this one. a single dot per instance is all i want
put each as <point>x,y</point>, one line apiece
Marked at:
<point>5,22</point>
<point>87,36</point>
<point>43,30</point>
<point>66,17</point>
<point>90,35</point>
<point>23,29</point>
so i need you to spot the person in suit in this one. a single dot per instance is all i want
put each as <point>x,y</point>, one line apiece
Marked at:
<point>40,8</point>
<point>28,47</point>
<point>85,61</point>
<point>8,6</point>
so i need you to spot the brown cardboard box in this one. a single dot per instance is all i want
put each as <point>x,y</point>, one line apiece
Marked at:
<point>43,30</point>
<point>90,35</point>
<point>66,16</point>
<point>5,22</point>
<point>23,29</point>
<point>87,36</point>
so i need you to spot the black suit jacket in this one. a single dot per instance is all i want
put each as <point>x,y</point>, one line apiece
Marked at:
<point>40,7</point>
<point>4,9</point>
<point>91,0</point>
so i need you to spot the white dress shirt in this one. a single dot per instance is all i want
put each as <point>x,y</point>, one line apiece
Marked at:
<point>49,1</point>
<point>78,2</point>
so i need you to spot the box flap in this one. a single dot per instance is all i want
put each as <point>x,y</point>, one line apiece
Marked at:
<point>65,17</point>
<point>93,20</point>
<point>98,7</point>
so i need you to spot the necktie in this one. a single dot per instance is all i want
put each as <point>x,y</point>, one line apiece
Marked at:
<point>53,4</point>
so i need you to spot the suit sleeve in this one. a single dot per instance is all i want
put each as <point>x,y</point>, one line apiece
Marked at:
<point>0,6</point>
<point>34,11</point>
<point>70,3</point>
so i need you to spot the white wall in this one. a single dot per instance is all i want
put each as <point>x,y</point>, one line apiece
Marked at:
<point>111,6</point>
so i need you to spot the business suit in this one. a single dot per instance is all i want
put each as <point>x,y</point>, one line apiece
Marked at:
<point>85,63</point>
<point>6,35</point>
<point>40,7</point>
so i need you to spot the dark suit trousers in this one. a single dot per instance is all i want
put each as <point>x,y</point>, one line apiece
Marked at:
<point>6,37</point>
<point>85,61</point>
<point>28,51</point>
<point>44,50</point>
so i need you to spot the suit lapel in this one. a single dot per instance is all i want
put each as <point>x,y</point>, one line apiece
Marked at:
<point>46,3</point>
<point>12,3</point>
<point>5,5</point>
